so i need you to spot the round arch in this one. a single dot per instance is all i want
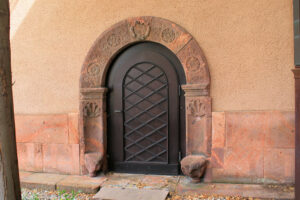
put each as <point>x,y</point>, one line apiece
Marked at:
<point>92,121</point>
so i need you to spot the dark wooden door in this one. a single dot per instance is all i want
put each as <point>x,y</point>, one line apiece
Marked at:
<point>144,112</point>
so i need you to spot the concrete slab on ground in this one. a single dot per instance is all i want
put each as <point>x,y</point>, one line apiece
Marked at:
<point>43,181</point>
<point>83,184</point>
<point>123,180</point>
<point>139,181</point>
<point>107,193</point>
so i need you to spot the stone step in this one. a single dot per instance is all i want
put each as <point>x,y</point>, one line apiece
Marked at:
<point>68,183</point>
<point>81,183</point>
<point>107,193</point>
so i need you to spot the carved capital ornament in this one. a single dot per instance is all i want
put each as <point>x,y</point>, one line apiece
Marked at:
<point>140,30</point>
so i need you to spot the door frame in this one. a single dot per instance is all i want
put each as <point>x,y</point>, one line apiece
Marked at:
<point>169,64</point>
<point>92,118</point>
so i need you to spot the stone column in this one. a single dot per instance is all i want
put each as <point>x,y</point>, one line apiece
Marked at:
<point>93,118</point>
<point>198,130</point>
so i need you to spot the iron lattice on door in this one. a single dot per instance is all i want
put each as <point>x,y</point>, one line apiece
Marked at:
<point>145,104</point>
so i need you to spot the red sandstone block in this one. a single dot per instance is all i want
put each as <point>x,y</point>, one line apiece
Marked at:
<point>61,158</point>
<point>30,157</point>
<point>42,128</point>
<point>73,128</point>
<point>243,162</point>
<point>218,130</point>
<point>247,135</point>
<point>217,157</point>
<point>279,165</point>
<point>280,131</point>
<point>246,129</point>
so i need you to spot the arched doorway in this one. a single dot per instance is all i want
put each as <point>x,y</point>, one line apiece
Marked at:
<point>146,123</point>
<point>93,88</point>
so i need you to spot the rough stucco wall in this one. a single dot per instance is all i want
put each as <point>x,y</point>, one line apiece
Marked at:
<point>248,45</point>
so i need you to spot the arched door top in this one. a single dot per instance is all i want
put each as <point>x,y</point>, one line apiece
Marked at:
<point>144,117</point>
<point>136,29</point>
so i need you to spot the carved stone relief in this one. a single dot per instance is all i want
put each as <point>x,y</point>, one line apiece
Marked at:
<point>140,30</point>
<point>196,109</point>
<point>113,40</point>
<point>193,64</point>
<point>168,35</point>
<point>91,109</point>
<point>93,74</point>
<point>194,69</point>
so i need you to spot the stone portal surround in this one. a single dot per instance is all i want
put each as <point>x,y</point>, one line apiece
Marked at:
<point>92,121</point>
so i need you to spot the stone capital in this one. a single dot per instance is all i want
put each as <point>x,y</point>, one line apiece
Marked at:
<point>92,93</point>
<point>194,90</point>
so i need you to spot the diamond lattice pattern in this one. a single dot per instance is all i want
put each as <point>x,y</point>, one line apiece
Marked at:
<point>145,103</point>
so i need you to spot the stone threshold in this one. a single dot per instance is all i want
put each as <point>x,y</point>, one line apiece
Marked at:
<point>174,184</point>
<point>68,183</point>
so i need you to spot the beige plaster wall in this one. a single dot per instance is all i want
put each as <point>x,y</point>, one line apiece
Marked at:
<point>248,45</point>
<point>12,4</point>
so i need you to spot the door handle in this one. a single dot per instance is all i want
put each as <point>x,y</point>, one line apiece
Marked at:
<point>118,111</point>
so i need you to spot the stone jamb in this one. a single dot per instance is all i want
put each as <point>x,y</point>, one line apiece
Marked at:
<point>198,119</point>
<point>93,129</point>
<point>296,72</point>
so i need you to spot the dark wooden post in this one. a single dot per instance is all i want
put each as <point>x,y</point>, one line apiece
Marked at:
<point>297,132</point>
<point>9,174</point>
<point>297,97</point>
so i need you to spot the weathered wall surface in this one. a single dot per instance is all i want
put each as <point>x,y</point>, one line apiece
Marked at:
<point>248,45</point>
<point>253,147</point>
<point>48,143</point>
<point>249,49</point>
